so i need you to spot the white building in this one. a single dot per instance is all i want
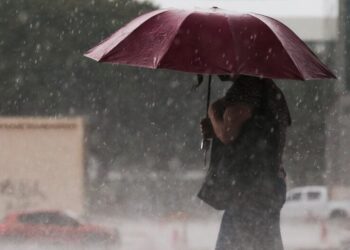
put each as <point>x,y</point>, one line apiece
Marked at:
<point>312,20</point>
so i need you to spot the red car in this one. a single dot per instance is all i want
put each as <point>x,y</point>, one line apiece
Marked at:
<point>53,227</point>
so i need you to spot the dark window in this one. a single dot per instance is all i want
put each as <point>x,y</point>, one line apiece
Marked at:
<point>48,218</point>
<point>63,220</point>
<point>313,196</point>
<point>295,197</point>
<point>34,218</point>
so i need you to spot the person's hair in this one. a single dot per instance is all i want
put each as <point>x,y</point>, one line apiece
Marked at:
<point>263,94</point>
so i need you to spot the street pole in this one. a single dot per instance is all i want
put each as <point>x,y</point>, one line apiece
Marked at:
<point>344,6</point>
<point>335,151</point>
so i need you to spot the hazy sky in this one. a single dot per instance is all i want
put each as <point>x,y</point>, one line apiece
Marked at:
<point>312,20</point>
<point>281,8</point>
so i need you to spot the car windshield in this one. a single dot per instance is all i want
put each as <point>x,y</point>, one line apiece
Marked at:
<point>45,218</point>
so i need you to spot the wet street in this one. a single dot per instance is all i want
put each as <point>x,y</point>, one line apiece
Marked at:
<point>200,235</point>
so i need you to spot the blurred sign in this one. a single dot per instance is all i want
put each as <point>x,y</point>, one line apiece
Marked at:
<point>41,164</point>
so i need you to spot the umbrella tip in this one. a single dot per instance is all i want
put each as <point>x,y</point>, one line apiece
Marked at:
<point>215,8</point>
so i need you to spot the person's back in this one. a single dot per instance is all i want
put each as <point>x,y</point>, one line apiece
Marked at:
<point>253,163</point>
<point>246,173</point>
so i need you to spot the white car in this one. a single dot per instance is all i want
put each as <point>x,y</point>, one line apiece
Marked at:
<point>314,202</point>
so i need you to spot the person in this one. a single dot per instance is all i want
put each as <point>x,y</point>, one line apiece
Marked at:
<point>246,178</point>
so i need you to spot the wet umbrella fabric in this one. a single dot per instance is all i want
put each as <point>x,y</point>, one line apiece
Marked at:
<point>212,42</point>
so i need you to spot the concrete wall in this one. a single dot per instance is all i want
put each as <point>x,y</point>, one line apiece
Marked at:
<point>41,164</point>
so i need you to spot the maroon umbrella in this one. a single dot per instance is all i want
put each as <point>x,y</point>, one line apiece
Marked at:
<point>212,42</point>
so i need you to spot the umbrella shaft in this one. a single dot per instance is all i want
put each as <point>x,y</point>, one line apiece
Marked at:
<point>208,94</point>
<point>205,145</point>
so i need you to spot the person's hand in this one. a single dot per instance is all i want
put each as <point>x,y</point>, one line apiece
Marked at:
<point>217,109</point>
<point>206,128</point>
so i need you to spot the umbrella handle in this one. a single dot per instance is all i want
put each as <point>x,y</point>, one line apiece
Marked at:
<point>205,144</point>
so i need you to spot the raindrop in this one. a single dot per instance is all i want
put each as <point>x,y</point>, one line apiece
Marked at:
<point>177,41</point>
<point>169,101</point>
<point>253,37</point>
<point>38,48</point>
<point>23,17</point>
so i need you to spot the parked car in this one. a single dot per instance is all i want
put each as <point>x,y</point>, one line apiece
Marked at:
<point>53,227</point>
<point>316,202</point>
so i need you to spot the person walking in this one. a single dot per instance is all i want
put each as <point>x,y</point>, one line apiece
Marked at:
<point>245,177</point>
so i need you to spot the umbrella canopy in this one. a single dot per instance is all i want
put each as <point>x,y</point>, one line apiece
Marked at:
<point>212,42</point>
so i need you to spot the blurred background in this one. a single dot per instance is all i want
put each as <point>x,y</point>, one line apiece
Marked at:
<point>108,141</point>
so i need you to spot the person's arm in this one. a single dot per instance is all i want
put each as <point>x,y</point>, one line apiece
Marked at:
<point>228,119</point>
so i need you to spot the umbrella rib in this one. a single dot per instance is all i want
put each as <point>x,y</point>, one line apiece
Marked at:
<point>234,40</point>
<point>321,64</point>
<point>170,42</point>
<point>290,57</point>
<point>156,13</point>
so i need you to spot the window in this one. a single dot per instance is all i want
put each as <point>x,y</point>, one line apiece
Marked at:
<point>63,220</point>
<point>294,197</point>
<point>311,196</point>
<point>34,218</point>
<point>48,218</point>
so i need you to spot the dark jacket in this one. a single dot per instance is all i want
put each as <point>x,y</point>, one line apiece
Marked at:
<point>247,171</point>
